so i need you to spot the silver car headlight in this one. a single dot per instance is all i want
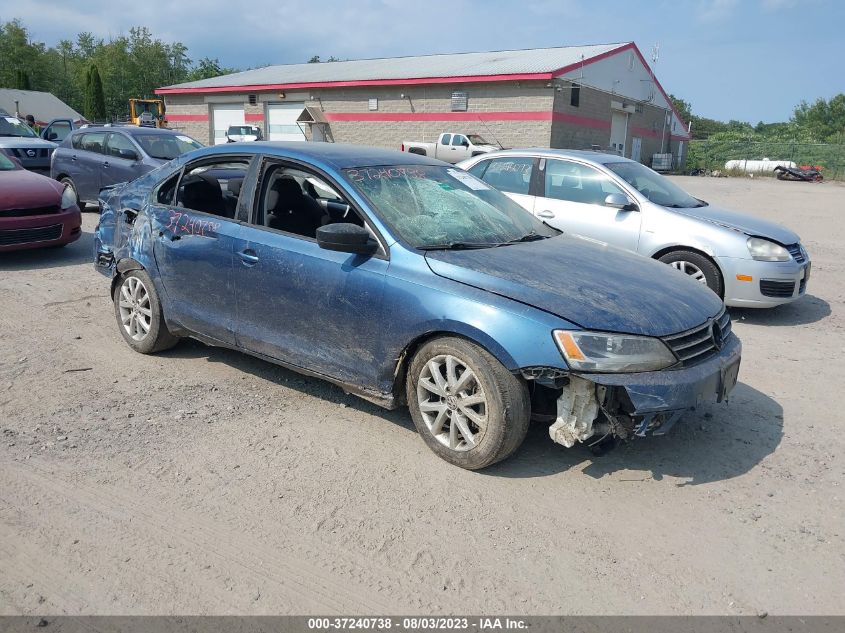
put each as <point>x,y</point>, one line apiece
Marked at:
<point>767,251</point>
<point>68,198</point>
<point>602,352</point>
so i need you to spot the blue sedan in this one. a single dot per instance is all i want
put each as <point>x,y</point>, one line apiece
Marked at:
<point>408,281</point>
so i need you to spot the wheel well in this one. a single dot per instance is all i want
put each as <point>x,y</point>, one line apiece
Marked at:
<point>123,266</point>
<point>417,150</point>
<point>401,371</point>
<point>673,249</point>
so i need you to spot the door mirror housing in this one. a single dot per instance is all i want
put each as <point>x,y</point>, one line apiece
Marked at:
<point>621,202</point>
<point>346,237</point>
<point>128,154</point>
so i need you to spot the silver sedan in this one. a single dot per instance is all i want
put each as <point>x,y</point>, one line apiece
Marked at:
<point>747,261</point>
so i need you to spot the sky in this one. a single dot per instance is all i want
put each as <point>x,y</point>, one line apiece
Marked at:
<point>751,60</point>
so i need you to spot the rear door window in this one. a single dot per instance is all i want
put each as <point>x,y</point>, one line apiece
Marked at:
<point>445,139</point>
<point>512,175</point>
<point>213,188</point>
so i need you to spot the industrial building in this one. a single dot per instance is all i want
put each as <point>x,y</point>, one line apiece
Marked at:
<point>601,96</point>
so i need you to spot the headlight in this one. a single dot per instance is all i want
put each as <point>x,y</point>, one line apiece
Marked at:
<point>597,351</point>
<point>68,198</point>
<point>766,251</point>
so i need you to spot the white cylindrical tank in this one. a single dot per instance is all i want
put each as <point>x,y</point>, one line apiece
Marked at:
<point>758,166</point>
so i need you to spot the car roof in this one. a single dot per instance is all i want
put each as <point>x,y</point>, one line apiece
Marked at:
<point>545,152</point>
<point>131,130</point>
<point>336,155</point>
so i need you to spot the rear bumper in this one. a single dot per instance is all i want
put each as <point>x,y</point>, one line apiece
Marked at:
<point>39,231</point>
<point>772,283</point>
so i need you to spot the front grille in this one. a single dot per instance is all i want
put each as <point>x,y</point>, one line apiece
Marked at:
<point>771,288</point>
<point>795,251</point>
<point>25,236</point>
<point>19,213</point>
<point>699,344</point>
<point>38,153</point>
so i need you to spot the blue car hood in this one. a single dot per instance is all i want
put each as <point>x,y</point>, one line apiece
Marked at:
<point>595,287</point>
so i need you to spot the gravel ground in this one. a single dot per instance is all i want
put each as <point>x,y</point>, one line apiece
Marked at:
<point>202,481</point>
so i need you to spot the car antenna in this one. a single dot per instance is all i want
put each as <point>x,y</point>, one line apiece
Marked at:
<point>487,127</point>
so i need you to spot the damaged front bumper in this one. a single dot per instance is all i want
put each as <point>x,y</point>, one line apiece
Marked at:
<point>627,405</point>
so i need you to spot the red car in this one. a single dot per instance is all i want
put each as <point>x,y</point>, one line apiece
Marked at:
<point>35,211</point>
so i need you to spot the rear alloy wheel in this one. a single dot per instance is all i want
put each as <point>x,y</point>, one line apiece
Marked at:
<point>697,266</point>
<point>467,407</point>
<point>138,312</point>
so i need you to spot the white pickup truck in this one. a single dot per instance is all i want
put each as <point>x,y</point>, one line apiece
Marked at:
<point>451,147</point>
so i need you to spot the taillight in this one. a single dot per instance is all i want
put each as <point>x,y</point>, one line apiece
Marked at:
<point>402,147</point>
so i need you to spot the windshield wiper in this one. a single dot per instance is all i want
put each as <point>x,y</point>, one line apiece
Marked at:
<point>533,236</point>
<point>457,246</point>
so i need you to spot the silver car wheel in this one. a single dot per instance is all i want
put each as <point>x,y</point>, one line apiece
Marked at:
<point>690,269</point>
<point>135,310</point>
<point>452,403</point>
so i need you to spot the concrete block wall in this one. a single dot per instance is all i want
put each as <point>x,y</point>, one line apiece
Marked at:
<point>492,98</point>
<point>589,123</point>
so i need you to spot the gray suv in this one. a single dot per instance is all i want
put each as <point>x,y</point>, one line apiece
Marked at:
<point>95,157</point>
<point>18,141</point>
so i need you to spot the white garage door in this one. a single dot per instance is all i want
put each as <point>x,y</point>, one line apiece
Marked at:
<point>281,122</point>
<point>223,116</point>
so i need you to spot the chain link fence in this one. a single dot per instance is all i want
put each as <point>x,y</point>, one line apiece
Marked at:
<point>709,155</point>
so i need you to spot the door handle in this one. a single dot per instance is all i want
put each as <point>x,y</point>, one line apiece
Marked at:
<point>105,164</point>
<point>248,257</point>
<point>172,236</point>
<point>545,214</point>
<point>73,157</point>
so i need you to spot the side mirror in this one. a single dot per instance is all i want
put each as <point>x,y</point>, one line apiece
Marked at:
<point>346,237</point>
<point>620,201</point>
<point>128,154</point>
<point>465,143</point>
<point>52,136</point>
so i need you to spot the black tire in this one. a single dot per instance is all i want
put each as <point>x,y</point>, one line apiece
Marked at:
<point>712,275</point>
<point>507,404</point>
<point>157,337</point>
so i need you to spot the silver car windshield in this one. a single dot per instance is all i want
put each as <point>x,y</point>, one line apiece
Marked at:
<point>433,207</point>
<point>659,189</point>
<point>10,126</point>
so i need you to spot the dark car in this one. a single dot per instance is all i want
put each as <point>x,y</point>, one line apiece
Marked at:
<point>95,157</point>
<point>406,280</point>
<point>35,211</point>
<point>19,141</point>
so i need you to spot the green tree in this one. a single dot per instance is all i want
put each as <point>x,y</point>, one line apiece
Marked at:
<point>95,101</point>
<point>823,119</point>
<point>22,80</point>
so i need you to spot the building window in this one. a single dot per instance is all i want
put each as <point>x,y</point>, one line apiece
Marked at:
<point>575,96</point>
<point>372,104</point>
<point>638,108</point>
<point>459,101</point>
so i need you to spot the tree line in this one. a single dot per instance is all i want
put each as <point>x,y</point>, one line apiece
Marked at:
<point>822,121</point>
<point>94,76</point>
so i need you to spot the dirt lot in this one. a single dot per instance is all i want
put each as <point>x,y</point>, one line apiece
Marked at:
<point>201,481</point>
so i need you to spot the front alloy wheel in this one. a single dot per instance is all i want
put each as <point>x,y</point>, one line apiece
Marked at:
<point>467,407</point>
<point>690,269</point>
<point>452,403</point>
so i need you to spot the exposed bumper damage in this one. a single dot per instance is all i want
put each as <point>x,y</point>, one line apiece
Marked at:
<point>592,407</point>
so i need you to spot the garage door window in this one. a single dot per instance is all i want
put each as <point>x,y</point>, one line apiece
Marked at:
<point>512,175</point>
